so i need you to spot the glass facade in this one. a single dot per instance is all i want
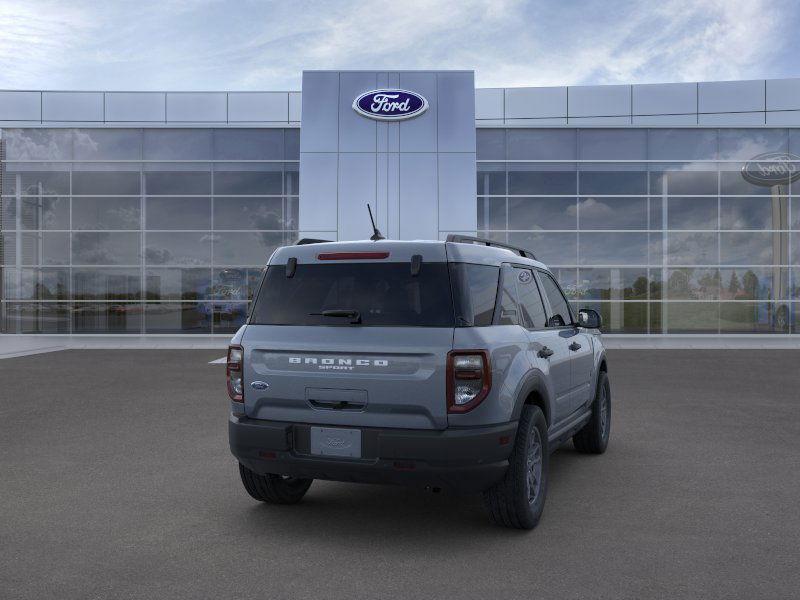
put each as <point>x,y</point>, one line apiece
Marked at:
<point>160,230</point>
<point>656,229</point>
<point>141,230</point>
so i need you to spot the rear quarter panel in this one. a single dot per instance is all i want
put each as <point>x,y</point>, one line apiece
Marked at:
<point>507,346</point>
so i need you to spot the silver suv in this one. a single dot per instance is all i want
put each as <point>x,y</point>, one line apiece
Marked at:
<point>456,364</point>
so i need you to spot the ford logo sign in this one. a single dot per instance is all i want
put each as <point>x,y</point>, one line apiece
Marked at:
<point>772,168</point>
<point>390,105</point>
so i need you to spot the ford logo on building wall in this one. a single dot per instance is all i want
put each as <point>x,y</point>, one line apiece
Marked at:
<point>772,168</point>
<point>390,105</point>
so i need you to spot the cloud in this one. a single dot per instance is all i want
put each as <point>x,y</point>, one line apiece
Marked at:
<point>205,44</point>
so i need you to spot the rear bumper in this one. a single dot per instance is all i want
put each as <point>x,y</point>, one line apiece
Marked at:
<point>459,459</point>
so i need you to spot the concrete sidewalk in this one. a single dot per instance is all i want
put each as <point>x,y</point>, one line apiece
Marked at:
<point>12,346</point>
<point>24,345</point>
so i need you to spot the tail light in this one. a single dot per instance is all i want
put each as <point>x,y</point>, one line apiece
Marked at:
<point>234,373</point>
<point>469,379</point>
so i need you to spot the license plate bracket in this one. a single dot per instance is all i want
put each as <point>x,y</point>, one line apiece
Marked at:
<point>336,441</point>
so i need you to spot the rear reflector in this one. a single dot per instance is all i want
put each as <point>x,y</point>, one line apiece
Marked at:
<point>400,465</point>
<point>352,255</point>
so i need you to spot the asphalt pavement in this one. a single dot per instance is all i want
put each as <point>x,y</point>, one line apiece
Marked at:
<point>116,482</point>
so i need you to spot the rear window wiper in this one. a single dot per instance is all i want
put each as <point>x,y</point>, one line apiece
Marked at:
<point>353,315</point>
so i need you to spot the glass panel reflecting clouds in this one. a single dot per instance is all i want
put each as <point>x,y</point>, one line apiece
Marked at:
<point>105,213</point>
<point>178,284</point>
<point>118,183</point>
<point>492,213</point>
<point>612,213</point>
<point>178,183</point>
<point>44,212</point>
<point>754,213</point>
<point>754,248</point>
<point>613,248</point>
<point>249,182</point>
<point>178,248</point>
<point>173,212</point>
<point>692,248</point>
<point>105,248</point>
<point>541,213</point>
<point>245,248</point>
<point>122,240</point>
<point>178,317</point>
<point>692,213</point>
<point>106,284</point>
<point>693,284</point>
<point>536,180</point>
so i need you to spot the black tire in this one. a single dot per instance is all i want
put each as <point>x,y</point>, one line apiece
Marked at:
<point>510,502</point>
<point>274,489</point>
<point>593,437</point>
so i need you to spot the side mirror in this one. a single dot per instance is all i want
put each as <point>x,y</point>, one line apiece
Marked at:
<point>589,319</point>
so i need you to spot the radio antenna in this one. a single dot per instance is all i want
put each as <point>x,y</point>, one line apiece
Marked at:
<point>376,235</point>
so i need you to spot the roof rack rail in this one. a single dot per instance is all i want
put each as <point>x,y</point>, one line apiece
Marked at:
<point>467,239</point>
<point>305,241</point>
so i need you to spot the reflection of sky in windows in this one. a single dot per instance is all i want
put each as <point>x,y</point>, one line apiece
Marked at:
<point>585,227</point>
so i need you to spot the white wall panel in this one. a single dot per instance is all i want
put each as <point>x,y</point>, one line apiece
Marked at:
<point>784,118</point>
<point>599,101</point>
<point>455,125</point>
<point>318,190</point>
<point>664,98</point>
<point>72,106</point>
<point>132,107</point>
<point>320,129</point>
<point>356,134</point>
<point>356,188</point>
<point>419,213</point>
<point>732,119</point>
<point>537,122</point>
<point>783,94</point>
<point>536,103</point>
<point>730,96</point>
<point>20,106</point>
<point>665,120</point>
<point>197,107</point>
<point>258,106</point>
<point>598,121</point>
<point>458,209</point>
<point>489,103</point>
<point>419,134</point>
<point>295,103</point>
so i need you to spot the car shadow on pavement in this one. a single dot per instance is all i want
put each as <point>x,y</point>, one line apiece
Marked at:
<point>355,513</point>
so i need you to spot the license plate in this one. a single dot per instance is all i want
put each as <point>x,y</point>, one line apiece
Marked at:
<point>332,441</point>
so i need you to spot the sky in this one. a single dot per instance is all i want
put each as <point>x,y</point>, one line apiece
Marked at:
<point>264,45</point>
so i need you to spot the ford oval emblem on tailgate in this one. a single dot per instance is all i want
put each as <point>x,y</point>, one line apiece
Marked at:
<point>259,385</point>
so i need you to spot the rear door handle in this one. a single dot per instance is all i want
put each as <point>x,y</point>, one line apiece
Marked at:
<point>545,352</point>
<point>574,346</point>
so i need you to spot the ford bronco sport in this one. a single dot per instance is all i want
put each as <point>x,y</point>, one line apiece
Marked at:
<point>456,364</point>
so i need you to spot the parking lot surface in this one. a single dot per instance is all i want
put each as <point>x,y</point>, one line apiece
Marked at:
<point>116,482</point>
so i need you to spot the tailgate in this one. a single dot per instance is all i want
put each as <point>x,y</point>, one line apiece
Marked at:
<point>351,376</point>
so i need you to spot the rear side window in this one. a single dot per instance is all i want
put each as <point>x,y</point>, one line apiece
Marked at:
<point>384,294</point>
<point>509,315</point>
<point>474,293</point>
<point>560,314</point>
<point>530,300</point>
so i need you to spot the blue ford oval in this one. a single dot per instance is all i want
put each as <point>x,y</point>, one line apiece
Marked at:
<point>390,104</point>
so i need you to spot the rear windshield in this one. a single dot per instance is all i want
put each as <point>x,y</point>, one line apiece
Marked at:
<point>383,294</point>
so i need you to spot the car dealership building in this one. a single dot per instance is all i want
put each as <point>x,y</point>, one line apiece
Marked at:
<point>669,208</point>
